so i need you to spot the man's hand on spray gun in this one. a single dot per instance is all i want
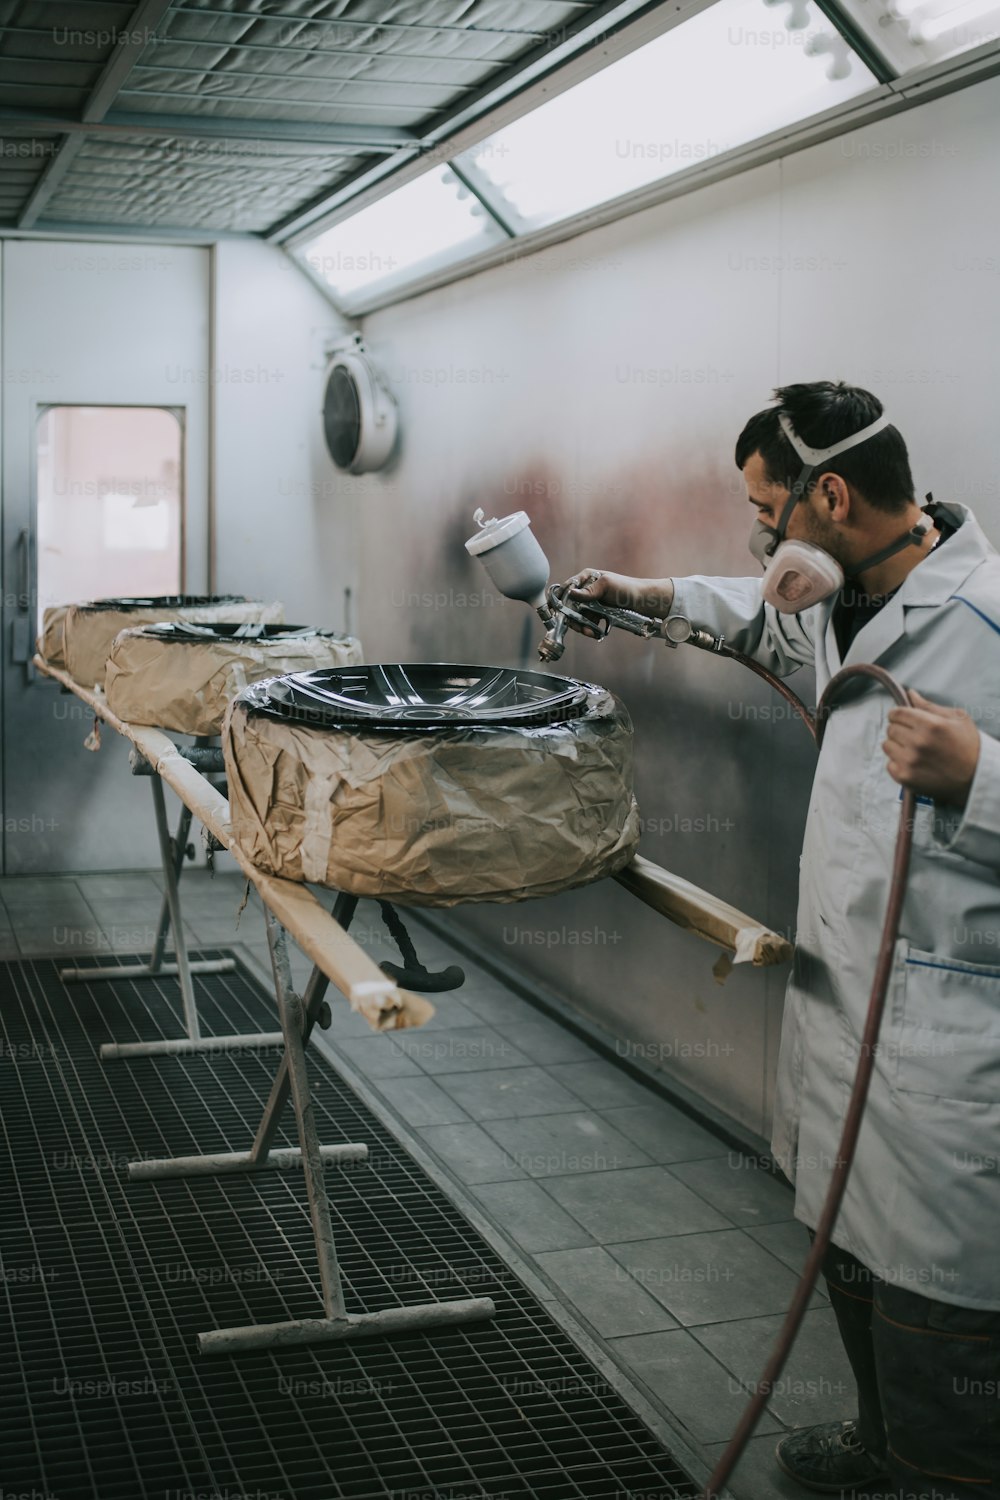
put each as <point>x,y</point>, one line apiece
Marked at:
<point>591,602</point>
<point>644,596</point>
<point>933,750</point>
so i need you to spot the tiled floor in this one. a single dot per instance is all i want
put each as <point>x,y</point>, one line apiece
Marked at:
<point>677,1253</point>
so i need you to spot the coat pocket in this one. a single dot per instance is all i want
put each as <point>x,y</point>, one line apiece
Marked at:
<point>948,1041</point>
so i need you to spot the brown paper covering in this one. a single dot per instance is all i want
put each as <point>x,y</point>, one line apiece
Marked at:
<point>462,814</point>
<point>186,685</point>
<point>50,641</point>
<point>89,633</point>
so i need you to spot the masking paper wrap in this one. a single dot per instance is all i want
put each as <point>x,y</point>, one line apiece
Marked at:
<point>91,628</point>
<point>50,642</point>
<point>434,819</point>
<point>185,684</point>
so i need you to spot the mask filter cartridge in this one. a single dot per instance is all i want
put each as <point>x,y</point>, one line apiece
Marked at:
<point>800,575</point>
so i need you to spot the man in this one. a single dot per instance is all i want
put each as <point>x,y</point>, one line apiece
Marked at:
<point>914,1271</point>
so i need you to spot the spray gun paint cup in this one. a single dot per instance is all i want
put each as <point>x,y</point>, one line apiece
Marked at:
<point>511,555</point>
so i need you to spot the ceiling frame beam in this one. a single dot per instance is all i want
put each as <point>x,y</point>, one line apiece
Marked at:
<point>271,48</point>
<point>288,22</point>
<point>287,103</point>
<point>142,25</point>
<point>363,139</point>
<point>236,76</point>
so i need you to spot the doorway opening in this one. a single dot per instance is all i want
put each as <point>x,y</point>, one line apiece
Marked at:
<point>110,503</point>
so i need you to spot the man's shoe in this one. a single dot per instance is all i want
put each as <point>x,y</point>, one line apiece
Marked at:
<point>829,1457</point>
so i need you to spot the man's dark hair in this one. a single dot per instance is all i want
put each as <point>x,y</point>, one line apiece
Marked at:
<point>821,413</point>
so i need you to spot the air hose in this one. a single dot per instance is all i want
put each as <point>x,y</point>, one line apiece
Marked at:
<point>790,698</point>
<point>859,1093</point>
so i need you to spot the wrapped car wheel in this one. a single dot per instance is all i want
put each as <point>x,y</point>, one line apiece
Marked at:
<point>432,784</point>
<point>90,628</point>
<point>181,676</point>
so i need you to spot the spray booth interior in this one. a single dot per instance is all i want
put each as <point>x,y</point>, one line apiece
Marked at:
<point>389,1017</point>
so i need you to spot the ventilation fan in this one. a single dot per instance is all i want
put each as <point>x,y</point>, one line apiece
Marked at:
<point>359,412</point>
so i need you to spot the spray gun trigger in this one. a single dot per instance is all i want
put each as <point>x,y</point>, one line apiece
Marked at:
<point>597,617</point>
<point>598,623</point>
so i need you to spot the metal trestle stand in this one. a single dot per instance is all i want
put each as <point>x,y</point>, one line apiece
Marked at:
<point>172,851</point>
<point>299,1014</point>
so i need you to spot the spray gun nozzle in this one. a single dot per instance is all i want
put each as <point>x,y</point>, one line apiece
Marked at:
<point>553,643</point>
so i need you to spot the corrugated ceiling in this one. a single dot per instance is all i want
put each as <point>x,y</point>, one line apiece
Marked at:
<point>233,114</point>
<point>231,185</point>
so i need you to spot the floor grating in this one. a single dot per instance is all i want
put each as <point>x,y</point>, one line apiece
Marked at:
<point>104,1285</point>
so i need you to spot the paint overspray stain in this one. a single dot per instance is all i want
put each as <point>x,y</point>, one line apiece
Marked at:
<point>638,519</point>
<point>670,516</point>
<point>659,515</point>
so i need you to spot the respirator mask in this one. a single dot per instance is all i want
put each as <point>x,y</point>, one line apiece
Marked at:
<point>799,574</point>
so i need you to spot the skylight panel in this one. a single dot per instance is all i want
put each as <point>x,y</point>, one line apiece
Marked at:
<point>430,222</point>
<point>726,76</point>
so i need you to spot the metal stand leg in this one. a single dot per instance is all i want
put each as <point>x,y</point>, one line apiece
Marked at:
<point>172,856</point>
<point>172,860</point>
<point>298,1017</point>
<point>312,1003</point>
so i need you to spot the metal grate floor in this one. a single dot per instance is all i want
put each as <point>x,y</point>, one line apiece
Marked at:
<point>104,1285</point>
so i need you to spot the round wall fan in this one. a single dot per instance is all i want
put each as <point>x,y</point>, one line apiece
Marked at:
<point>360,417</point>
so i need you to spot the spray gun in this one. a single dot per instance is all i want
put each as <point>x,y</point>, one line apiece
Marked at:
<point>676,630</point>
<point>511,555</point>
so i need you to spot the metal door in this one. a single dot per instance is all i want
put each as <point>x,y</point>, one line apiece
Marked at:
<point>88,326</point>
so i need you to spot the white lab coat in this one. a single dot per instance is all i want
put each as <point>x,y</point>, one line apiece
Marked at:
<point>922,1206</point>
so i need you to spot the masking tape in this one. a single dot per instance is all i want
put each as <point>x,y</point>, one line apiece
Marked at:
<point>317,830</point>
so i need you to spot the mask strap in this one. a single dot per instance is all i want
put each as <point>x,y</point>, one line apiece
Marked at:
<point>795,494</point>
<point>811,460</point>
<point>911,538</point>
<point>816,456</point>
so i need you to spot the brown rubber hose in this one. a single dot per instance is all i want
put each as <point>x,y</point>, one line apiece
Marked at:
<point>776,682</point>
<point>859,1093</point>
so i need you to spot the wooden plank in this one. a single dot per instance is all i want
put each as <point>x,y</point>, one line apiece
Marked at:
<point>704,914</point>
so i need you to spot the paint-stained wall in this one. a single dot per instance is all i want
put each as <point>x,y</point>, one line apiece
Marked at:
<point>600,385</point>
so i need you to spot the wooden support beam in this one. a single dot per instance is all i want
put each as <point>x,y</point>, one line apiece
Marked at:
<point>704,914</point>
